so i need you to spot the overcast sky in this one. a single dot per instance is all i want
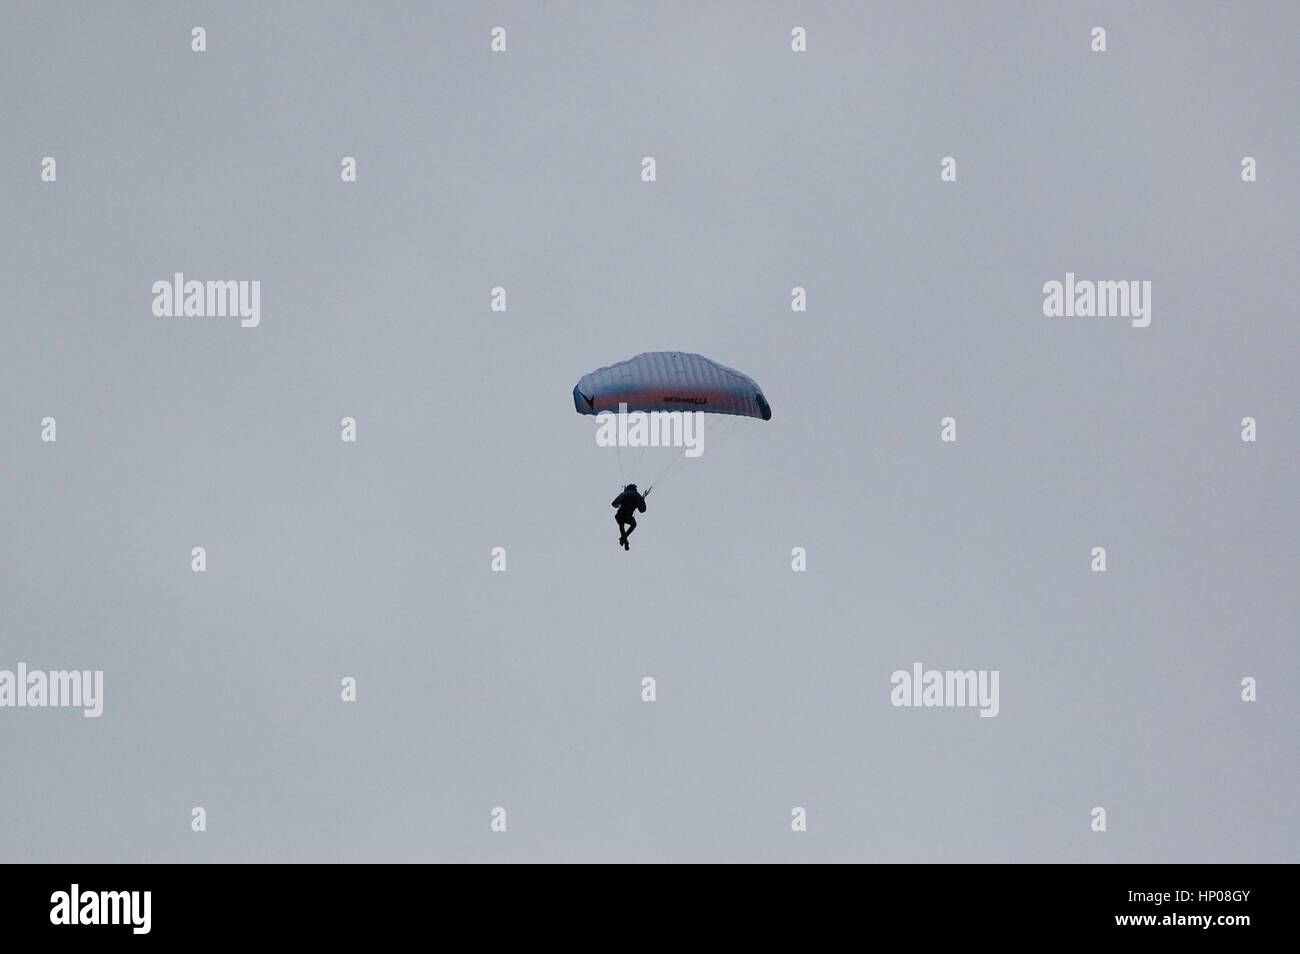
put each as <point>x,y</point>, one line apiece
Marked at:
<point>522,689</point>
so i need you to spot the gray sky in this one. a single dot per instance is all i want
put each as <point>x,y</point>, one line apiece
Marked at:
<point>522,689</point>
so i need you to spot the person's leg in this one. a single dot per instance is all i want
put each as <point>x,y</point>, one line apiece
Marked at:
<point>631,525</point>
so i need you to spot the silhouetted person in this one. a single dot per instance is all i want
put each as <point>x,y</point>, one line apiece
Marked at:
<point>627,503</point>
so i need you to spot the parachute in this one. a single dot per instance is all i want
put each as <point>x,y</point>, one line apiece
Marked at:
<point>671,381</point>
<point>667,381</point>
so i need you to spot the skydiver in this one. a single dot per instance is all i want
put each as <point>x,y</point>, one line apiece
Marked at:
<point>626,503</point>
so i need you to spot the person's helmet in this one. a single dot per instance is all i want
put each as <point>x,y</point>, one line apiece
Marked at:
<point>630,489</point>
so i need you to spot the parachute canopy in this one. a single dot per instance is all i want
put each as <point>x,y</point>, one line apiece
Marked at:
<point>671,381</point>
